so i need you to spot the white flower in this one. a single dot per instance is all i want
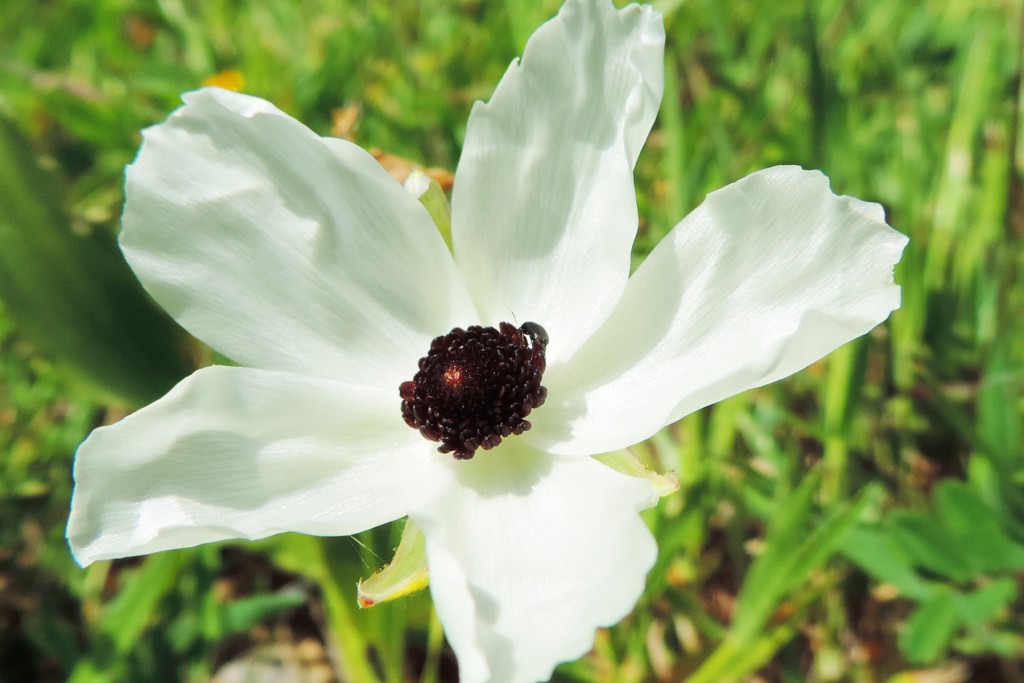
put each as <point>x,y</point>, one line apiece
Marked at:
<point>299,258</point>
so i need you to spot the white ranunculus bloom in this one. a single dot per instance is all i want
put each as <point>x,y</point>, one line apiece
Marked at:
<point>299,258</point>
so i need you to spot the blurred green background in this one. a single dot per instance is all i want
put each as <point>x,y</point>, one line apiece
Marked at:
<point>861,521</point>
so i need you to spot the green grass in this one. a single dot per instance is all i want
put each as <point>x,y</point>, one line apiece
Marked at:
<point>860,520</point>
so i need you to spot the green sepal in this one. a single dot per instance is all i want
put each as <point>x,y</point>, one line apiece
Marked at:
<point>625,462</point>
<point>404,575</point>
<point>434,200</point>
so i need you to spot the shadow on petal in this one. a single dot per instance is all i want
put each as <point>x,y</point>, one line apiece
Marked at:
<point>512,468</point>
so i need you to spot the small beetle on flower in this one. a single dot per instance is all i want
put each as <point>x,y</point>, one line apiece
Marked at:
<point>300,259</point>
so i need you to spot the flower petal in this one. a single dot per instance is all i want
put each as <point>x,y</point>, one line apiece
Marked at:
<point>543,209</point>
<point>768,275</point>
<point>529,554</point>
<point>242,453</point>
<point>285,250</point>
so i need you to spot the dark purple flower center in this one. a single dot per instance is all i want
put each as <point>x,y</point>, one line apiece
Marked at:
<point>476,386</point>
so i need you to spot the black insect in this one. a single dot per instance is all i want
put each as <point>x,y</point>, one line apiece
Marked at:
<point>537,333</point>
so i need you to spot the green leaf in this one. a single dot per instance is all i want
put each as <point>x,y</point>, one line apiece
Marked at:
<point>320,559</point>
<point>137,604</point>
<point>241,615</point>
<point>126,617</point>
<point>929,545</point>
<point>978,608</point>
<point>999,421</point>
<point>877,553</point>
<point>792,552</point>
<point>73,295</point>
<point>975,530</point>
<point>795,546</point>
<point>929,630</point>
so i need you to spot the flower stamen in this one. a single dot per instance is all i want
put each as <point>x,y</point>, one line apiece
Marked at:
<point>476,386</point>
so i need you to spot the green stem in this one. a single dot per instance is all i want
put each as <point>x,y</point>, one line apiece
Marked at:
<point>343,633</point>
<point>435,643</point>
<point>733,660</point>
<point>843,384</point>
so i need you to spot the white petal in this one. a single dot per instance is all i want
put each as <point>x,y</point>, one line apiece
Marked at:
<point>242,453</point>
<point>529,554</point>
<point>285,250</point>
<point>768,275</point>
<point>543,209</point>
